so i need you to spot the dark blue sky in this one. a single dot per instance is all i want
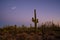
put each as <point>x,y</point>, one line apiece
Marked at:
<point>20,12</point>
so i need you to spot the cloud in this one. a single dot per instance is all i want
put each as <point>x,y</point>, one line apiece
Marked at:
<point>13,8</point>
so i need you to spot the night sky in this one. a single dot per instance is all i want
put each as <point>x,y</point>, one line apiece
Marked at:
<point>20,12</point>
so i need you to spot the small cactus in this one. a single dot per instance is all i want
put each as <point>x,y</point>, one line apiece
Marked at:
<point>35,20</point>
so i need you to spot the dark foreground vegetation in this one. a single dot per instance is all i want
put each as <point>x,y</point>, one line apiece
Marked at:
<point>44,32</point>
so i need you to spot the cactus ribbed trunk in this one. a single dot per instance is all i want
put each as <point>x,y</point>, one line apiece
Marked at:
<point>35,21</point>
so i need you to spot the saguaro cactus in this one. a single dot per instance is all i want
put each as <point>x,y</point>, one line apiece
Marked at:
<point>35,20</point>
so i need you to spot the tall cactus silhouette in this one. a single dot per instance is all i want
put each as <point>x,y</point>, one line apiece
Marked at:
<point>35,20</point>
